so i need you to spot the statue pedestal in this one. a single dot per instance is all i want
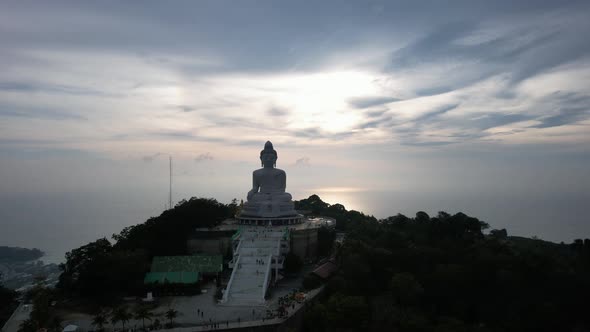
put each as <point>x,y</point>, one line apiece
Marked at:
<point>276,221</point>
<point>269,206</point>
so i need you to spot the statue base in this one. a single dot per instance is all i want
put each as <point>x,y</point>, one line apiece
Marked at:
<point>275,221</point>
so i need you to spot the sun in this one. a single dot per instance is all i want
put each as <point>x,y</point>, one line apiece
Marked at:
<point>321,100</point>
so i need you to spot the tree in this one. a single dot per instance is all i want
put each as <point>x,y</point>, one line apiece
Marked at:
<point>56,324</point>
<point>315,318</point>
<point>143,313</point>
<point>311,281</point>
<point>347,311</point>
<point>120,315</point>
<point>312,203</point>
<point>405,288</point>
<point>7,302</point>
<point>171,314</point>
<point>99,320</point>
<point>41,298</point>
<point>85,268</point>
<point>156,325</point>
<point>422,216</point>
<point>500,234</point>
<point>28,325</point>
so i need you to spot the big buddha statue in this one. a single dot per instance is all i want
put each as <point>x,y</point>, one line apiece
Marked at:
<point>268,198</point>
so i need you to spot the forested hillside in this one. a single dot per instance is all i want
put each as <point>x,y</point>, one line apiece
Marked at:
<point>444,273</point>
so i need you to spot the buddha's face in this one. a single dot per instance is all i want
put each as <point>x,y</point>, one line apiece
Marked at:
<point>268,160</point>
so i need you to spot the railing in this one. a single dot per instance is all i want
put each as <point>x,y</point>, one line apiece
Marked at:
<point>231,280</point>
<point>237,233</point>
<point>266,277</point>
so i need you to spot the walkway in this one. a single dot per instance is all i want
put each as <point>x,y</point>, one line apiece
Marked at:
<point>253,266</point>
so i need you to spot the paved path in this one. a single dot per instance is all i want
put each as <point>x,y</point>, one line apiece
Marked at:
<point>234,324</point>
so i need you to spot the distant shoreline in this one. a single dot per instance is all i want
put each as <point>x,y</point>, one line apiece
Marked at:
<point>19,255</point>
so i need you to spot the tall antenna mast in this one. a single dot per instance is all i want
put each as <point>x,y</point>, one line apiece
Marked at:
<point>170,193</point>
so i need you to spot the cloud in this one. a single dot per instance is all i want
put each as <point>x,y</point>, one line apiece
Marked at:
<point>366,102</point>
<point>375,123</point>
<point>488,121</point>
<point>302,162</point>
<point>203,157</point>
<point>435,114</point>
<point>37,112</point>
<point>313,132</point>
<point>150,158</point>
<point>278,111</point>
<point>343,84</point>
<point>174,134</point>
<point>564,117</point>
<point>34,87</point>
<point>186,108</point>
<point>428,143</point>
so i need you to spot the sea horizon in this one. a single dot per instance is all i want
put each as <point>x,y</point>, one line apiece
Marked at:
<point>57,224</point>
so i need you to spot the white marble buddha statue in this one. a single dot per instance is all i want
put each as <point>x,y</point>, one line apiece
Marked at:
<point>268,198</point>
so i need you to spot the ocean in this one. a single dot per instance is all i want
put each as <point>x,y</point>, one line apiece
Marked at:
<point>57,223</point>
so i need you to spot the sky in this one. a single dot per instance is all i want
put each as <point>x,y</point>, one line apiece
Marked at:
<point>384,106</point>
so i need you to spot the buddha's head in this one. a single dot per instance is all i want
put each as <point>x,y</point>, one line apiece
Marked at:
<point>268,156</point>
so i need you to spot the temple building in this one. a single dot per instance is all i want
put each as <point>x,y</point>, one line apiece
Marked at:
<point>260,236</point>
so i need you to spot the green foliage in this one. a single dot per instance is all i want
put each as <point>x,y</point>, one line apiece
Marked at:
<point>40,313</point>
<point>99,320</point>
<point>166,235</point>
<point>344,219</point>
<point>406,290</point>
<point>142,313</point>
<point>40,316</point>
<point>347,311</point>
<point>313,203</point>
<point>101,271</point>
<point>28,325</point>
<point>122,315</point>
<point>499,234</point>
<point>315,318</point>
<point>56,324</point>
<point>7,302</point>
<point>442,273</point>
<point>311,281</point>
<point>171,314</point>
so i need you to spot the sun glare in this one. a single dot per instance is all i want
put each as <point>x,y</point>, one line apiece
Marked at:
<point>322,99</point>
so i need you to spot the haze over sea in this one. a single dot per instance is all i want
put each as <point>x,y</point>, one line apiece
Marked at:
<point>61,222</point>
<point>384,106</point>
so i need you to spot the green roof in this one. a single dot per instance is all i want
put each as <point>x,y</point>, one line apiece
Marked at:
<point>195,263</point>
<point>182,277</point>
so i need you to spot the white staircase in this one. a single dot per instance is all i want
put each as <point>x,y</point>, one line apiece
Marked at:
<point>252,266</point>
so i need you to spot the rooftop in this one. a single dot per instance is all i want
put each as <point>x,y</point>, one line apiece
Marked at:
<point>195,263</point>
<point>308,222</point>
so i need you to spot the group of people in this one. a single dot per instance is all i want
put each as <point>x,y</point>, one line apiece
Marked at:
<point>288,302</point>
<point>211,324</point>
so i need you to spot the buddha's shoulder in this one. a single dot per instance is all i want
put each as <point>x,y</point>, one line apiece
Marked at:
<point>274,171</point>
